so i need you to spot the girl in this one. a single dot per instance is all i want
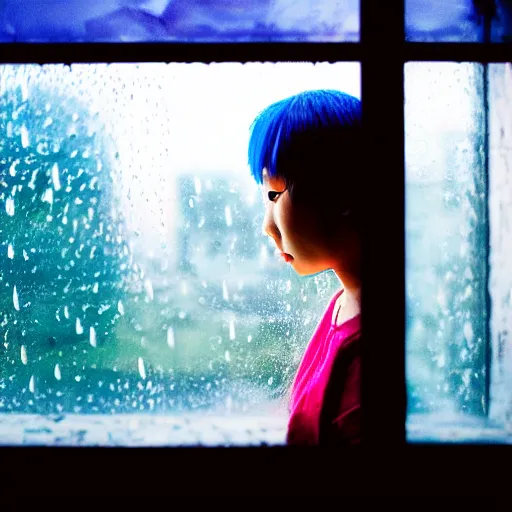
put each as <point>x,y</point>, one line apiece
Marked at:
<point>304,152</point>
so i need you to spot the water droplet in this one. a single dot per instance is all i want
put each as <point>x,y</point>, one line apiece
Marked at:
<point>201,222</point>
<point>12,168</point>
<point>47,122</point>
<point>468,333</point>
<point>149,289</point>
<point>142,369</point>
<point>10,252</point>
<point>92,336</point>
<point>227,357</point>
<point>120,308</point>
<point>32,384</point>
<point>9,206</point>
<point>66,312</point>
<point>56,372</point>
<point>48,196</point>
<point>191,203</point>
<point>270,381</point>
<point>288,307</point>
<point>78,378</point>
<point>229,219</point>
<point>24,358</point>
<point>249,338</point>
<point>79,328</point>
<point>95,288</point>
<point>197,185</point>
<point>24,137</point>
<point>55,176</point>
<point>103,308</point>
<point>231,330</point>
<point>225,294</point>
<point>15,299</point>
<point>170,337</point>
<point>25,255</point>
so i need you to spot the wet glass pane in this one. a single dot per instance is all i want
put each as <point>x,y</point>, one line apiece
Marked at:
<point>501,31</point>
<point>446,244</point>
<point>178,20</point>
<point>441,20</point>
<point>500,217</point>
<point>139,301</point>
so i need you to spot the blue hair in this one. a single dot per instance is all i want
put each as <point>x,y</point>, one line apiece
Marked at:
<point>310,132</point>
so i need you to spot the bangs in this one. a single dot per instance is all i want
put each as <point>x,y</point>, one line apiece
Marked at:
<point>307,126</point>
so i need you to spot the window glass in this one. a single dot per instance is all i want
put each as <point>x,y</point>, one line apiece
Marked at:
<point>500,212</point>
<point>135,281</point>
<point>178,20</point>
<point>446,244</point>
<point>442,21</point>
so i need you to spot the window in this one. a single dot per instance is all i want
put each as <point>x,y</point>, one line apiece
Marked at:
<point>458,285</point>
<point>135,276</point>
<point>449,370</point>
<point>445,233</point>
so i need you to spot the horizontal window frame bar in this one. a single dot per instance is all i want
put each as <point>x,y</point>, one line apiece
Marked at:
<point>483,53</point>
<point>57,53</point>
<point>85,53</point>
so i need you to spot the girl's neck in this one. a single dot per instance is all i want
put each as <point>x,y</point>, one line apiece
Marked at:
<point>348,304</point>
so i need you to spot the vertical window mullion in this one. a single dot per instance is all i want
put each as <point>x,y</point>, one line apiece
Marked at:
<point>383,294</point>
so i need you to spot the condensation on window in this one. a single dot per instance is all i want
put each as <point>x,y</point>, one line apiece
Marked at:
<point>445,239</point>
<point>133,273</point>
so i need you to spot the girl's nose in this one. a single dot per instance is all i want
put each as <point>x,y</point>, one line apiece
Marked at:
<point>268,227</point>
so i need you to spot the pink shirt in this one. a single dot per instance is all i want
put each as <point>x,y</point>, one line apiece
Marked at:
<point>325,403</point>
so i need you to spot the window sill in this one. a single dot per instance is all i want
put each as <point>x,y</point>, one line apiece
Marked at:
<point>133,430</point>
<point>455,428</point>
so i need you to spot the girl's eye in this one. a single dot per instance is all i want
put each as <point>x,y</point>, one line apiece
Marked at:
<point>272,195</point>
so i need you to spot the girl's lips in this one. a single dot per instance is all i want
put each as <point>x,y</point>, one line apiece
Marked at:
<point>286,257</point>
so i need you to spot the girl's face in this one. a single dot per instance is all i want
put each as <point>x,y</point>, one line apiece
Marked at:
<point>294,231</point>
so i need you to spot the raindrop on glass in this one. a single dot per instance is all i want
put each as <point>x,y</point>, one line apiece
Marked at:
<point>15,299</point>
<point>55,176</point>
<point>9,206</point>
<point>24,358</point>
<point>142,369</point>
<point>170,337</point>
<point>92,336</point>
